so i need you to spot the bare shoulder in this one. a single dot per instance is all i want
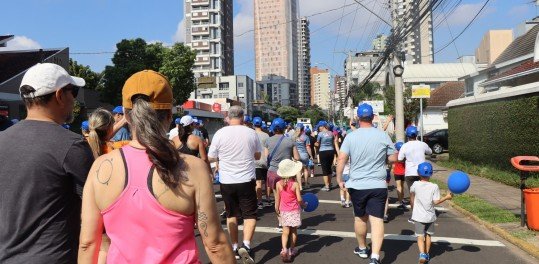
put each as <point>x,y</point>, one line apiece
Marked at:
<point>194,167</point>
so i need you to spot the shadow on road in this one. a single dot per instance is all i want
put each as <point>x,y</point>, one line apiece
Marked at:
<point>306,244</point>
<point>393,248</point>
<point>317,220</point>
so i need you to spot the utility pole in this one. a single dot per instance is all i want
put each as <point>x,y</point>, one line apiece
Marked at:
<point>399,97</point>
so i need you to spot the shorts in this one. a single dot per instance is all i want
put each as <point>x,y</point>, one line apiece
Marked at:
<point>424,228</point>
<point>398,177</point>
<point>261,174</point>
<point>291,218</point>
<point>369,202</point>
<point>304,158</point>
<point>240,200</point>
<point>410,180</point>
<point>272,179</point>
<point>326,160</point>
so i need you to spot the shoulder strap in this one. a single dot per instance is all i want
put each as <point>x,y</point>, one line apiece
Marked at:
<point>275,150</point>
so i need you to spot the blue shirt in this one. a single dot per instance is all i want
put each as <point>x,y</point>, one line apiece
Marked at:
<point>326,140</point>
<point>301,144</point>
<point>367,149</point>
<point>121,135</point>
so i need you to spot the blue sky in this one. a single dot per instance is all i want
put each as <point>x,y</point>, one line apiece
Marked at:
<point>97,25</point>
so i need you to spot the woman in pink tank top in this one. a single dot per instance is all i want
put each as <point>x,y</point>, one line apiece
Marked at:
<point>146,195</point>
<point>287,205</point>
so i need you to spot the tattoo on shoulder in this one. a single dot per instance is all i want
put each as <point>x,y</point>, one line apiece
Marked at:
<point>101,178</point>
<point>202,220</point>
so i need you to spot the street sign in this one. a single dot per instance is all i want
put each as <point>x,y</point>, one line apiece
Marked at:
<point>420,91</point>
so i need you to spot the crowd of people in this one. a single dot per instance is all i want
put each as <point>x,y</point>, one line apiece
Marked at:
<point>129,190</point>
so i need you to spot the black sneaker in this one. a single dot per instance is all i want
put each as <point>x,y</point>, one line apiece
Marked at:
<point>374,261</point>
<point>386,219</point>
<point>245,255</point>
<point>362,253</point>
<point>236,255</point>
<point>260,206</point>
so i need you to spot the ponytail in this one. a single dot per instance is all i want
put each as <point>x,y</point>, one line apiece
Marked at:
<point>100,123</point>
<point>150,133</point>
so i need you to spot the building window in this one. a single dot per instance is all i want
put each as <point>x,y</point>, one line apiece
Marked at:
<point>223,86</point>
<point>240,85</point>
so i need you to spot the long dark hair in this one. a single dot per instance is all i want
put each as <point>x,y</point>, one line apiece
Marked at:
<point>184,132</point>
<point>150,133</point>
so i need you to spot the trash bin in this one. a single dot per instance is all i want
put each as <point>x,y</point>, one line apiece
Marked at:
<point>531,196</point>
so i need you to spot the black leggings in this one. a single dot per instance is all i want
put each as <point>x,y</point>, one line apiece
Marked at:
<point>326,161</point>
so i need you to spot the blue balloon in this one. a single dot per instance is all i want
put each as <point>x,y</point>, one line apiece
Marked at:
<point>458,182</point>
<point>311,202</point>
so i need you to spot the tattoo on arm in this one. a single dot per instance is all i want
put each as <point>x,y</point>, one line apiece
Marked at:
<point>101,178</point>
<point>202,222</point>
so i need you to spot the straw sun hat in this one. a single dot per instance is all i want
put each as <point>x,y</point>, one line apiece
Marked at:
<point>289,168</point>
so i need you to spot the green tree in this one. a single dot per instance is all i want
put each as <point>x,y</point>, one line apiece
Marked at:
<point>370,91</point>
<point>92,78</point>
<point>177,64</point>
<point>315,113</point>
<point>289,113</point>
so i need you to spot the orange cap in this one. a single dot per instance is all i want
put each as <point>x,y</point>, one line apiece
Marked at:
<point>151,84</point>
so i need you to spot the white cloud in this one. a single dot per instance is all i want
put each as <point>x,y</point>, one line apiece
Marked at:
<point>21,43</point>
<point>244,22</point>
<point>179,36</point>
<point>519,10</point>
<point>463,14</point>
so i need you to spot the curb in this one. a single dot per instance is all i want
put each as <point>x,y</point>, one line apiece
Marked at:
<point>524,245</point>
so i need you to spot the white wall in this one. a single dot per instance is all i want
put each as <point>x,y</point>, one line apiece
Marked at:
<point>433,119</point>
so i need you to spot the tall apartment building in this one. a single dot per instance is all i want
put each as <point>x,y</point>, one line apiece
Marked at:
<point>235,87</point>
<point>209,31</point>
<point>304,64</point>
<point>320,88</point>
<point>339,88</point>
<point>418,45</point>
<point>379,43</point>
<point>276,38</point>
<point>494,42</point>
<point>277,90</point>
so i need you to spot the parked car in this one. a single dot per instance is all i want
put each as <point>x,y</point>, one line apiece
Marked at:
<point>437,140</point>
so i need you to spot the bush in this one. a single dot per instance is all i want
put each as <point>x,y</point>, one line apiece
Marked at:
<point>492,132</point>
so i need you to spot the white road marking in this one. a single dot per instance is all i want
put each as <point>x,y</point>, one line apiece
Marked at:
<point>435,239</point>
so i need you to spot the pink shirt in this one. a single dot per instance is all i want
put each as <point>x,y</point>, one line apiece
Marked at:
<point>289,201</point>
<point>142,230</point>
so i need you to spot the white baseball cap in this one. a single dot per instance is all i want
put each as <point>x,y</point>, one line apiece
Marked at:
<point>186,120</point>
<point>48,78</point>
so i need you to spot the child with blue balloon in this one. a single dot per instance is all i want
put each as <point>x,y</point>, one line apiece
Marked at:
<point>424,195</point>
<point>288,204</point>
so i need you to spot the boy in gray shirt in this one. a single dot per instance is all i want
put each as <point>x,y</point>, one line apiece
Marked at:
<point>424,195</point>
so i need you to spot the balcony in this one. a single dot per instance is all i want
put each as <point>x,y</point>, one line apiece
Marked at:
<point>203,15</point>
<point>201,45</point>
<point>202,61</point>
<point>197,31</point>
<point>200,2</point>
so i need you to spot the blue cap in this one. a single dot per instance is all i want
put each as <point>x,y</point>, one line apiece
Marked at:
<point>365,110</point>
<point>177,121</point>
<point>66,126</point>
<point>279,123</point>
<point>247,119</point>
<point>424,169</point>
<point>411,131</point>
<point>398,145</point>
<point>322,123</point>
<point>307,131</point>
<point>257,121</point>
<point>271,128</point>
<point>118,110</point>
<point>300,126</point>
<point>85,125</point>
<point>264,126</point>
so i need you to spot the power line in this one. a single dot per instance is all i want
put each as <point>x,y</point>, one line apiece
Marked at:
<point>338,33</point>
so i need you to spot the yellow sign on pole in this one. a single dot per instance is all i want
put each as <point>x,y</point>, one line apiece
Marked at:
<point>420,91</point>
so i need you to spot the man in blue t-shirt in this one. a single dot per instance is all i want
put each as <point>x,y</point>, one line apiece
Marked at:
<point>368,148</point>
<point>123,133</point>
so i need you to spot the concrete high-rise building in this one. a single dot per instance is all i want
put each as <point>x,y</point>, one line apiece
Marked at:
<point>358,66</point>
<point>277,90</point>
<point>209,31</point>
<point>494,42</point>
<point>320,88</point>
<point>339,88</point>
<point>379,43</point>
<point>418,44</point>
<point>276,38</point>
<point>304,64</point>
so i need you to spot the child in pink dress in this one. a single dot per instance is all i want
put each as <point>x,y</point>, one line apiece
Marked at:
<point>288,205</point>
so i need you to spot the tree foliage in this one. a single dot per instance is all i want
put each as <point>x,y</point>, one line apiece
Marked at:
<point>133,55</point>
<point>315,113</point>
<point>370,91</point>
<point>289,113</point>
<point>92,78</point>
<point>411,106</point>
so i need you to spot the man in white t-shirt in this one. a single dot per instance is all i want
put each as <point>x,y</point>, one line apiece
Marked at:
<point>413,152</point>
<point>236,147</point>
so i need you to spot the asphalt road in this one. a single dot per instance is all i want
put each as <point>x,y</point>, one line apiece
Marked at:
<point>326,236</point>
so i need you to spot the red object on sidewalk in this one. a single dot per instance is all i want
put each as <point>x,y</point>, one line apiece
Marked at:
<point>531,196</point>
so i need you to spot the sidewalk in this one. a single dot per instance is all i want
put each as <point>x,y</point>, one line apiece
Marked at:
<point>501,195</point>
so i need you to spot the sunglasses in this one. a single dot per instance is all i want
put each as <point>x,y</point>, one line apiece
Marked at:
<point>73,89</point>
